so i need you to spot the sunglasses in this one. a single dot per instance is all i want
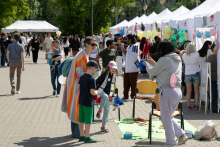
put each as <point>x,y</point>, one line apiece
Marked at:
<point>93,44</point>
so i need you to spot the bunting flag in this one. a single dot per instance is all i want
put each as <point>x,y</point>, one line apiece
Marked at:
<point>157,28</point>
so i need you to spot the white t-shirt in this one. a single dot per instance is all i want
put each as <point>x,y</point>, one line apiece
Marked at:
<point>191,63</point>
<point>28,40</point>
<point>106,39</point>
<point>95,53</point>
<point>97,39</point>
<point>132,58</point>
<point>203,59</point>
<point>48,42</point>
<point>23,40</point>
<point>65,45</point>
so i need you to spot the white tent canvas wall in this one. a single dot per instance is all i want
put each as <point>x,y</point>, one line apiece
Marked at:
<point>150,24</point>
<point>30,26</point>
<point>165,21</point>
<point>115,28</point>
<point>130,23</point>
<point>209,18</point>
<point>186,21</point>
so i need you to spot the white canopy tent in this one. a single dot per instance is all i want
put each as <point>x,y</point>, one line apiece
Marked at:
<point>186,21</point>
<point>115,28</point>
<point>30,26</point>
<point>150,23</point>
<point>209,18</point>
<point>129,26</point>
<point>152,15</point>
<point>165,20</point>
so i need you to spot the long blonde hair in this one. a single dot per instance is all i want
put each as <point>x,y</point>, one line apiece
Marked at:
<point>190,48</point>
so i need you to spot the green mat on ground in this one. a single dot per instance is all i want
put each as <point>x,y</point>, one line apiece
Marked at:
<point>143,133</point>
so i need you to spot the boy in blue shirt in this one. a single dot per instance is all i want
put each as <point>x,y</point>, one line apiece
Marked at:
<point>87,86</point>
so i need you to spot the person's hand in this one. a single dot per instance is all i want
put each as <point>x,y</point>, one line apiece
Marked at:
<point>23,68</point>
<point>151,61</point>
<point>145,63</point>
<point>0,54</point>
<point>33,49</point>
<point>96,92</point>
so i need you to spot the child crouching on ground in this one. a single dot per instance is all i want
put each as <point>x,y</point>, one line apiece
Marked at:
<point>106,84</point>
<point>87,86</point>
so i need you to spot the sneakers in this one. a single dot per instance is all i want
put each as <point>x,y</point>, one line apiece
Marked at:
<point>189,108</point>
<point>17,92</point>
<point>90,140</point>
<point>168,146</point>
<point>182,140</point>
<point>54,92</point>
<point>196,107</point>
<point>125,99</point>
<point>81,138</point>
<point>13,90</point>
<point>58,95</point>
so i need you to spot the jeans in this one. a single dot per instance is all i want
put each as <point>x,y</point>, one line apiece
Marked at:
<point>55,74</point>
<point>214,88</point>
<point>3,58</point>
<point>75,129</point>
<point>104,104</point>
<point>13,67</point>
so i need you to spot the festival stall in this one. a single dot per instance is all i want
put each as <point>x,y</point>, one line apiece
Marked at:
<point>129,25</point>
<point>150,23</point>
<point>165,20</point>
<point>30,26</point>
<point>115,28</point>
<point>186,21</point>
<point>208,24</point>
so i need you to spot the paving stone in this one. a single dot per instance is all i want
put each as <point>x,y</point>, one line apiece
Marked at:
<point>34,118</point>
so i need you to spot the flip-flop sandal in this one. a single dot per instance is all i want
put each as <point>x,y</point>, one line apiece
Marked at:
<point>104,130</point>
<point>98,114</point>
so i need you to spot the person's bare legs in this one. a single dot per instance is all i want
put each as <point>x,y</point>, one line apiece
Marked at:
<point>196,90</point>
<point>188,94</point>
<point>81,129</point>
<point>87,130</point>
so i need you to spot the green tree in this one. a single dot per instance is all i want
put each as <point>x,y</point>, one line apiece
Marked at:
<point>106,29</point>
<point>190,4</point>
<point>12,10</point>
<point>75,16</point>
<point>34,9</point>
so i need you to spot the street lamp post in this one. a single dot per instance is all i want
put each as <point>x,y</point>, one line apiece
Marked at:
<point>197,3</point>
<point>116,10</point>
<point>145,8</point>
<point>92,17</point>
<point>162,3</point>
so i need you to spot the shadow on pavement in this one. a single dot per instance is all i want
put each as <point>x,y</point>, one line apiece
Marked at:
<point>36,98</point>
<point>5,95</point>
<point>63,141</point>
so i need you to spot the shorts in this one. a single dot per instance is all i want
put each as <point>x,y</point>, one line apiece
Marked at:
<point>195,78</point>
<point>85,114</point>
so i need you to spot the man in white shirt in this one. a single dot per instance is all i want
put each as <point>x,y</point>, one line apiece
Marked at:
<point>47,43</point>
<point>106,39</point>
<point>97,38</point>
<point>23,40</point>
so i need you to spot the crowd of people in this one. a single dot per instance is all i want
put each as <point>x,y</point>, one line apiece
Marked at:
<point>120,56</point>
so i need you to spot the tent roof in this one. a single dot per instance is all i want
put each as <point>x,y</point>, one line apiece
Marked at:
<point>30,26</point>
<point>181,10</point>
<point>133,21</point>
<point>121,24</point>
<point>185,21</point>
<point>212,16</point>
<point>152,15</point>
<point>162,14</point>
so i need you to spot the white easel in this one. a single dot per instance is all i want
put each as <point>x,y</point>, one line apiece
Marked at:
<point>205,78</point>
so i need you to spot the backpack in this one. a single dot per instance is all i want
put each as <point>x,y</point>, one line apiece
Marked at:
<point>67,66</point>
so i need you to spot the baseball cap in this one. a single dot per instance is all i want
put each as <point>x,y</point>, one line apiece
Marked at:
<point>112,64</point>
<point>93,63</point>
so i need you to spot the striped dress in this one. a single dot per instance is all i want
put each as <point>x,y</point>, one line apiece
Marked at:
<point>70,102</point>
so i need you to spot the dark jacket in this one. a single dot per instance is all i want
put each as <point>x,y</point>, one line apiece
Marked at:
<point>75,45</point>
<point>35,45</point>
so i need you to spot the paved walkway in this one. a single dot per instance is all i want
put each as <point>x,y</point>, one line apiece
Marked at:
<point>34,119</point>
